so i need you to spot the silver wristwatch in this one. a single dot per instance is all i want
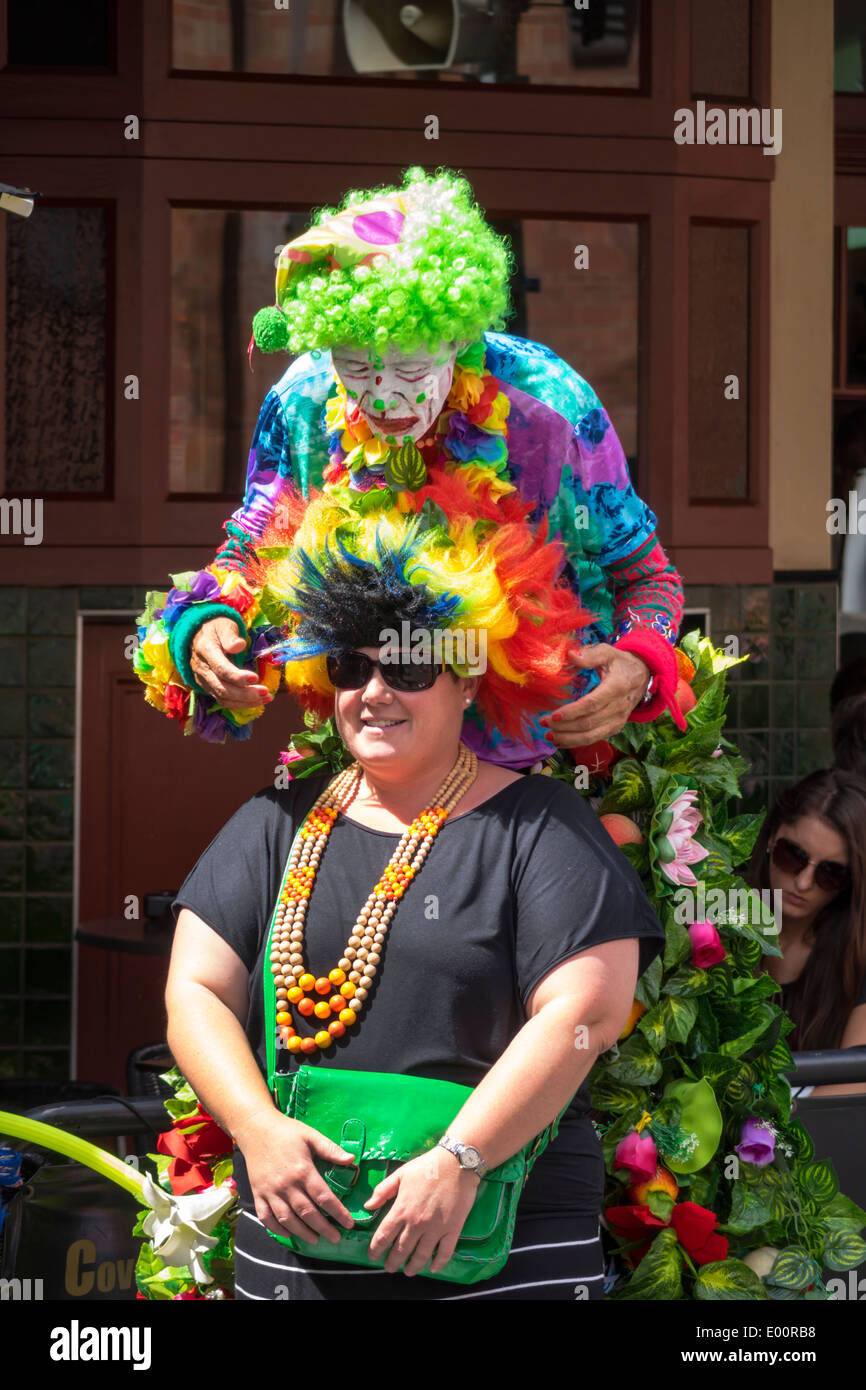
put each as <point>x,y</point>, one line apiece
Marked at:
<point>467,1156</point>
<point>650,692</point>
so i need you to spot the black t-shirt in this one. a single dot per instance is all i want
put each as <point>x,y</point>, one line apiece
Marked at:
<point>509,890</point>
<point>788,985</point>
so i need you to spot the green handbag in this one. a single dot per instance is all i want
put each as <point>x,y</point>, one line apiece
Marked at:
<point>385,1120</point>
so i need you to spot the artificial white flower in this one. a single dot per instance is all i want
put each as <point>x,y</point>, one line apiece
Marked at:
<point>179,1228</point>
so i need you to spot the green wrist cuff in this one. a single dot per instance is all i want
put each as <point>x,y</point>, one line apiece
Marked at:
<point>182,634</point>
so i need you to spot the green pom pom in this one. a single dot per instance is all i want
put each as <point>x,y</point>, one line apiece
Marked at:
<point>271,330</point>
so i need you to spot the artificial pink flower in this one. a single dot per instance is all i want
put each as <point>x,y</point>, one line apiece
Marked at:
<point>637,1153</point>
<point>686,819</point>
<point>707,948</point>
<point>291,755</point>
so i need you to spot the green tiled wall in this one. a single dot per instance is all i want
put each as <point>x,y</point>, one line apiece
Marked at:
<point>779,708</point>
<point>37,730</point>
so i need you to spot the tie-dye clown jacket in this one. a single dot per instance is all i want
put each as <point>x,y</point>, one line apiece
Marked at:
<point>565,460</point>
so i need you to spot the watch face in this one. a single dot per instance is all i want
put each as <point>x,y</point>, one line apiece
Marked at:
<point>469,1157</point>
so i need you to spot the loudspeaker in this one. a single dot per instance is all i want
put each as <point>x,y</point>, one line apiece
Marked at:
<point>391,36</point>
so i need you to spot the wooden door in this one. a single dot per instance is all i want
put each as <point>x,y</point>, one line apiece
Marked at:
<point>150,801</point>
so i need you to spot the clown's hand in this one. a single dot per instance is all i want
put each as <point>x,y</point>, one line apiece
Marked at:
<point>231,687</point>
<point>605,710</point>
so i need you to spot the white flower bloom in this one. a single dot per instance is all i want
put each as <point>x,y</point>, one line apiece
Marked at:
<point>179,1228</point>
<point>761,1260</point>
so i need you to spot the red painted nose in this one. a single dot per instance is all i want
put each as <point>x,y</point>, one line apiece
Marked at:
<point>378,381</point>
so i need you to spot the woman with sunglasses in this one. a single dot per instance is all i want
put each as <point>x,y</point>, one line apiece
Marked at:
<point>503,956</point>
<point>811,850</point>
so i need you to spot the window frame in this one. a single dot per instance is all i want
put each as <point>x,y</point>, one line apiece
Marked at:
<point>577,154</point>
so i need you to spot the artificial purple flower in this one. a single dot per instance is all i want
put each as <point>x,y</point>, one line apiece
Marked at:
<point>204,587</point>
<point>365,479</point>
<point>757,1143</point>
<point>466,441</point>
<point>176,603</point>
<point>211,727</point>
<point>265,637</point>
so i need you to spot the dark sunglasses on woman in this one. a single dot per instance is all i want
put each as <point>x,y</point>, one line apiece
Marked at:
<point>352,670</point>
<point>791,858</point>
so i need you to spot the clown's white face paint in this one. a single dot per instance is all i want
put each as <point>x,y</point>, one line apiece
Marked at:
<point>399,394</point>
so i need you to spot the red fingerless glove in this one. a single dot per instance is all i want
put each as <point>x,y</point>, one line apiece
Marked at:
<point>658,654</point>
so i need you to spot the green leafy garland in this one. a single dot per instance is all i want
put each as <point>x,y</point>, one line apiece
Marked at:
<point>706,1055</point>
<point>718,1025</point>
<point>157,1281</point>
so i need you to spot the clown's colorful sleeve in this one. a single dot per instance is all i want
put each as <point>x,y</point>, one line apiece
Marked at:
<point>564,452</point>
<point>644,588</point>
<point>287,443</point>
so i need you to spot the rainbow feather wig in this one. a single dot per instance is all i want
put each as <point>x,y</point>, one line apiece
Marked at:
<point>340,566</point>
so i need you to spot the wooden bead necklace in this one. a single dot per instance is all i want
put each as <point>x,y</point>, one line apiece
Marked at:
<point>349,983</point>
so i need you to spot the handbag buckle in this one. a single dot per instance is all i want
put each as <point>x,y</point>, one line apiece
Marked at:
<point>352,1140</point>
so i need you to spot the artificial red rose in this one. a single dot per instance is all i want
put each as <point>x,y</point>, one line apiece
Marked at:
<point>192,1140</point>
<point>335,472</point>
<point>176,702</point>
<point>634,1220</point>
<point>696,1232</point>
<point>239,596</point>
<point>631,1222</point>
<point>598,758</point>
<point>694,1225</point>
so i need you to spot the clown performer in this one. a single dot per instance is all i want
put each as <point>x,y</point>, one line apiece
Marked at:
<point>404,381</point>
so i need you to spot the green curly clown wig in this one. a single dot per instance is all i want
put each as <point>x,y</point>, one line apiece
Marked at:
<point>408,267</point>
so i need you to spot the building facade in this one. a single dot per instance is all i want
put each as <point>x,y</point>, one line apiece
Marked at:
<point>707,289</point>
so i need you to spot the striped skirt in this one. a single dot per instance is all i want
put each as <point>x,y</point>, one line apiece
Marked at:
<point>553,1256</point>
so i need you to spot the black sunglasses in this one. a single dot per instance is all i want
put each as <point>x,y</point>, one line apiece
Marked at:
<point>791,858</point>
<point>352,670</point>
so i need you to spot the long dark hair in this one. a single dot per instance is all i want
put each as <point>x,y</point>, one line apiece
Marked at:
<point>820,1000</point>
<point>848,732</point>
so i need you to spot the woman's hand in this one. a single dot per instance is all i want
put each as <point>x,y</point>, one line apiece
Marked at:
<point>432,1196</point>
<point>605,710</point>
<point>232,687</point>
<point>290,1193</point>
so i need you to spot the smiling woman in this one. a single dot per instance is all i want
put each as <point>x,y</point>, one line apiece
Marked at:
<point>401,740</point>
<point>423,919</point>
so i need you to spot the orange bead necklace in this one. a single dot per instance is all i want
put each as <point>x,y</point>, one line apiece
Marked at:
<point>348,985</point>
